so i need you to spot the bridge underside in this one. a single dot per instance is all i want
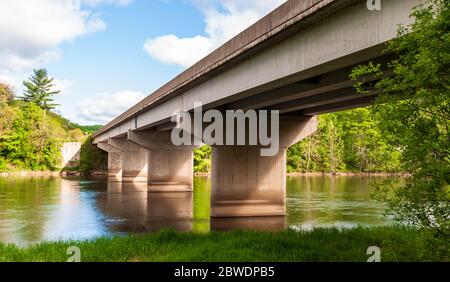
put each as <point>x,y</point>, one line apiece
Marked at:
<point>302,72</point>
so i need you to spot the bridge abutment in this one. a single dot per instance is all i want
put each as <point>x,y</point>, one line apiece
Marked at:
<point>244,183</point>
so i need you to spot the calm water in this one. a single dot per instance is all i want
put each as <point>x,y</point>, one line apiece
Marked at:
<point>36,209</point>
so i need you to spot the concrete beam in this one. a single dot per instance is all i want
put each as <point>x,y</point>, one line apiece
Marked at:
<point>341,95</point>
<point>155,140</point>
<point>107,148</point>
<point>312,87</point>
<point>340,106</point>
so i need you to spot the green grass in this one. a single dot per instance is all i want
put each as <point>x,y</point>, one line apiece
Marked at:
<point>396,244</point>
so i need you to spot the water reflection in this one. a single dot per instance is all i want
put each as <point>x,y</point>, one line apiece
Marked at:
<point>131,209</point>
<point>36,209</point>
<point>333,201</point>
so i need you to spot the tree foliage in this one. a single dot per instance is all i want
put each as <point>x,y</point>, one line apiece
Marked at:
<point>348,141</point>
<point>6,94</point>
<point>92,158</point>
<point>39,90</point>
<point>202,159</point>
<point>416,117</point>
<point>29,139</point>
<point>31,134</point>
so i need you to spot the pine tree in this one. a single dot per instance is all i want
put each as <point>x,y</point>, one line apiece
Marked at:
<point>39,90</point>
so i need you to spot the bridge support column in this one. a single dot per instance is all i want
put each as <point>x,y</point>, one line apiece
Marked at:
<point>170,168</point>
<point>134,160</point>
<point>114,161</point>
<point>244,183</point>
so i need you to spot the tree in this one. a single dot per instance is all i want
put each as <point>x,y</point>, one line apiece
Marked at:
<point>6,93</point>
<point>202,159</point>
<point>39,90</point>
<point>415,109</point>
<point>30,139</point>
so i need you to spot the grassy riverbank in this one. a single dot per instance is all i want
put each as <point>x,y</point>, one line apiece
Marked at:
<point>396,244</point>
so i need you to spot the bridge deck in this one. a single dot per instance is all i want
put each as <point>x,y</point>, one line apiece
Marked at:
<point>288,19</point>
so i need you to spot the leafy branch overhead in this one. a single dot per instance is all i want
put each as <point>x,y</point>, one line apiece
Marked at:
<point>415,113</point>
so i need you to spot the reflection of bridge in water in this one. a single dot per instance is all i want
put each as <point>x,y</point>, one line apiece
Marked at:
<point>132,209</point>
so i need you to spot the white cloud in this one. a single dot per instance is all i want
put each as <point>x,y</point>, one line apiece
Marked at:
<point>223,18</point>
<point>181,51</point>
<point>63,85</point>
<point>106,106</point>
<point>94,3</point>
<point>7,77</point>
<point>31,31</point>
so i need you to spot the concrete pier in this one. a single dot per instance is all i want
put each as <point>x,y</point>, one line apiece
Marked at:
<point>114,161</point>
<point>170,168</point>
<point>244,183</point>
<point>134,160</point>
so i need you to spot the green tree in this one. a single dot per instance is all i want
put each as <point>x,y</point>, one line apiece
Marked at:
<point>31,140</point>
<point>415,111</point>
<point>39,90</point>
<point>6,94</point>
<point>92,158</point>
<point>202,159</point>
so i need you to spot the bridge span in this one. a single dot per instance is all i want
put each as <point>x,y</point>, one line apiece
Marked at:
<point>296,60</point>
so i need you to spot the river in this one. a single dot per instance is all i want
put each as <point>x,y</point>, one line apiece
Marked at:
<point>37,209</point>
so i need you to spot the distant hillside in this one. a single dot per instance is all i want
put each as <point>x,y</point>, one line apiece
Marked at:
<point>68,125</point>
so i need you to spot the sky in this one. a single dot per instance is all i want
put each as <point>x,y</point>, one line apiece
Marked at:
<point>107,55</point>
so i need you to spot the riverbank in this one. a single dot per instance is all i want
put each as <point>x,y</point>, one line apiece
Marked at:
<point>30,173</point>
<point>51,173</point>
<point>396,244</point>
<point>365,174</point>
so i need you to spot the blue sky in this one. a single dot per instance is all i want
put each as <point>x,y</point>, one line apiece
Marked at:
<point>106,55</point>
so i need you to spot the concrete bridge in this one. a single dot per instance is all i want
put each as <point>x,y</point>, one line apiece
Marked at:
<point>296,60</point>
